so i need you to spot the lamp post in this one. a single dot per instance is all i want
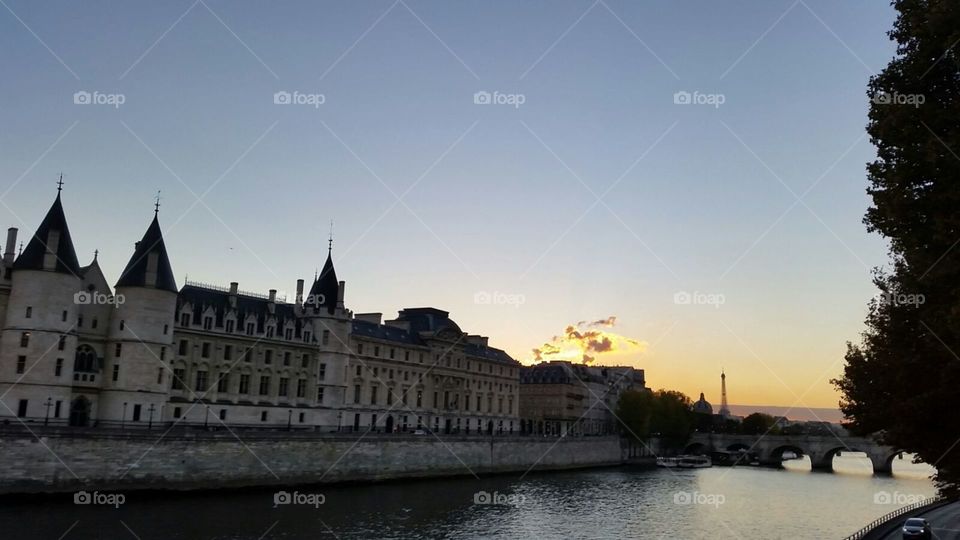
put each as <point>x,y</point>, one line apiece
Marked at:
<point>123,417</point>
<point>206,417</point>
<point>48,404</point>
<point>150,421</point>
<point>289,419</point>
<point>339,421</point>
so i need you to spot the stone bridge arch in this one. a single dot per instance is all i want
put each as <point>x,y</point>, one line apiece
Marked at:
<point>773,457</point>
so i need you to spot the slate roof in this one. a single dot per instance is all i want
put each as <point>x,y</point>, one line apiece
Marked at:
<point>32,256</point>
<point>326,289</point>
<point>135,274</point>
<point>200,298</point>
<point>427,320</point>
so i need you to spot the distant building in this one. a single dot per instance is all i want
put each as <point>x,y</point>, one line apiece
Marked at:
<point>74,352</point>
<point>562,398</point>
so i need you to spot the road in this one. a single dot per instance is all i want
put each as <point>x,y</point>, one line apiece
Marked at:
<point>945,522</point>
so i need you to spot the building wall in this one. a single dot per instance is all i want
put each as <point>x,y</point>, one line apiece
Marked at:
<point>214,461</point>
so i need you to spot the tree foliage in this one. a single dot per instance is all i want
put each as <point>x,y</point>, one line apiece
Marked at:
<point>757,424</point>
<point>665,413</point>
<point>900,380</point>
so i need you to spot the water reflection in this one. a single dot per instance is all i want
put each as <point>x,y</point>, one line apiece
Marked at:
<point>742,502</point>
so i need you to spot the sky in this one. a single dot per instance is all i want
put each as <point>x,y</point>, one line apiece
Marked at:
<point>693,169</point>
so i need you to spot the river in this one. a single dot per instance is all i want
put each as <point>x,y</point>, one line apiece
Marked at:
<point>742,502</point>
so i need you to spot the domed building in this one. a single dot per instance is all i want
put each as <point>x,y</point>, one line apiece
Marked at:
<point>702,406</point>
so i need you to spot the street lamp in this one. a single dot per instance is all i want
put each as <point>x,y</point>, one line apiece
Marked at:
<point>150,421</point>
<point>289,419</point>
<point>206,418</point>
<point>48,404</point>
<point>123,418</point>
<point>339,420</point>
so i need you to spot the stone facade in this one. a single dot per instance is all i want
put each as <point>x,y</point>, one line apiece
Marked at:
<point>72,351</point>
<point>562,398</point>
<point>137,460</point>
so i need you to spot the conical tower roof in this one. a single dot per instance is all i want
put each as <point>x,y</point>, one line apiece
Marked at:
<point>33,256</point>
<point>142,271</point>
<point>326,289</point>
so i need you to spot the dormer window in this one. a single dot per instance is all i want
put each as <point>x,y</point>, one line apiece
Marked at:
<point>270,330</point>
<point>230,327</point>
<point>207,323</point>
<point>184,319</point>
<point>289,333</point>
<point>306,337</point>
<point>249,329</point>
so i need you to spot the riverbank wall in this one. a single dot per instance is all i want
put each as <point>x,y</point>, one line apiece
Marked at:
<point>62,460</point>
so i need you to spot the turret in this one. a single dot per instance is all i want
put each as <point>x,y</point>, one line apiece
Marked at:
<point>137,373</point>
<point>38,337</point>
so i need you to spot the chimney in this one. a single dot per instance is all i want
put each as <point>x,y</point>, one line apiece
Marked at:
<point>273,296</point>
<point>299,299</point>
<point>234,289</point>
<point>340,291</point>
<point>11,244</point>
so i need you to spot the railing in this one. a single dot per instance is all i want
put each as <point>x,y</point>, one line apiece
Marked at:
<point>220,288</point>
<point>893,515</point>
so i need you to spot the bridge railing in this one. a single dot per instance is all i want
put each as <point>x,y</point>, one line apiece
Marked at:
<point>893,515</point>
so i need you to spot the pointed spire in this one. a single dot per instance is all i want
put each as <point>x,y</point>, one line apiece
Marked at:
<point>96,252</point>
<point>60,184</point>
<point>51,247</point>
<point>149,266</point>
<point>326,289</point>
<point>156,206</point>
<point>330,241</point>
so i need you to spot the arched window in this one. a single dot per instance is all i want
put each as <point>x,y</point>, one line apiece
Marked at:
<point>86,360</point>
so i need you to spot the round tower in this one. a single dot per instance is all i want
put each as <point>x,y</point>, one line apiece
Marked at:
<point>136,370</point>
<point>38,337</point>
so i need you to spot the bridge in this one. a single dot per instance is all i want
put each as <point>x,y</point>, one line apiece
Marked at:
<point>821,449</point>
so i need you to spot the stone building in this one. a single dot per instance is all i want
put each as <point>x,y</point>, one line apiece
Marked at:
<point>563,398</point>
<point>72,351</point>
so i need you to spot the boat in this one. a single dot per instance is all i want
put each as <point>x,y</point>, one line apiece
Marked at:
<point>694,462</point>
<point>668,462</point>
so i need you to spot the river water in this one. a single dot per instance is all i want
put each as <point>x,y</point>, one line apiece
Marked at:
<point>742,502</point>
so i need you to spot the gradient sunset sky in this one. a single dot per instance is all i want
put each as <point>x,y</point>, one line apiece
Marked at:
<point>598,196</point>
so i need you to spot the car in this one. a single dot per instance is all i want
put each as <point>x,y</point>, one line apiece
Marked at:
<point>917,528</point>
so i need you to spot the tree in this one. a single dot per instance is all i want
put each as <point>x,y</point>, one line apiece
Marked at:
<point>757,424</point>
<point>672,418</point>
<point>665,414</point>
<point>899,381</point>
<point>634,410</point>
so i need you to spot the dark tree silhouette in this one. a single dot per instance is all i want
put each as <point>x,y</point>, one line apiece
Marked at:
<point>902,380</point>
